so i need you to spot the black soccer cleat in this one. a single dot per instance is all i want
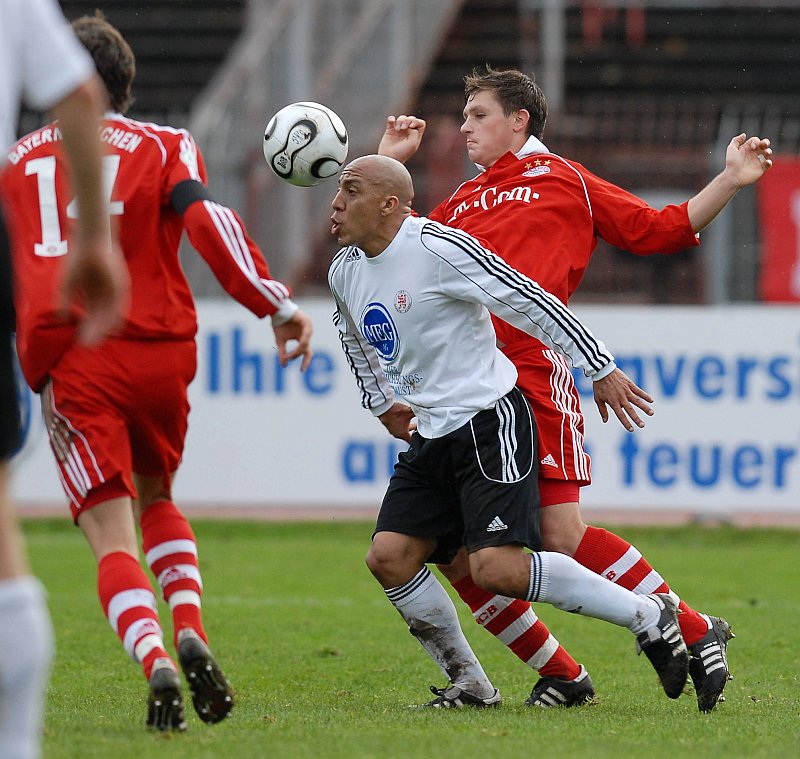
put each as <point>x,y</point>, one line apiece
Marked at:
<point>453,697</point>
<point>550,692</point>
<point>165,702</point>
<point>212,695</point>
<point>708,665</point>
<point>664,646</point>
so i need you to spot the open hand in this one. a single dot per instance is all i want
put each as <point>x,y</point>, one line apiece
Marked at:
<point>402,137</point>
<point>747,158</point>
<point>624,396</point>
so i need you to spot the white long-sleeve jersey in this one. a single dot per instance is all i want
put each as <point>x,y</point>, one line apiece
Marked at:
<point>414,324</point>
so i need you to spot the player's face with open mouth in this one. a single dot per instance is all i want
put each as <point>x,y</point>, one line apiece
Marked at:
<point>355,211</point>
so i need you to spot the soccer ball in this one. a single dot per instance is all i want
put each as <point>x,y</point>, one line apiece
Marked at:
<point>305,143</point>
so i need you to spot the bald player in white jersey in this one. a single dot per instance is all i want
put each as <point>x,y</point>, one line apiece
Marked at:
<point>413,300</point>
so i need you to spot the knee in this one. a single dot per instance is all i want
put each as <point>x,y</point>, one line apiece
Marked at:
<point>148,498</point>
<point>379,561</point>
<point>561,535</point>
<point>151,490</point>
<point>561,541</point>
<point>394,559</point>
<point>491,574</point>
<point>458,569</point>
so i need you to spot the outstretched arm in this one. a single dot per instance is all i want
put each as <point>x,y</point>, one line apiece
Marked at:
<point>746,161</point>
<point>473,273</point>
<point>468,271</point>
<point>219,235</point>
<point>402,137</point>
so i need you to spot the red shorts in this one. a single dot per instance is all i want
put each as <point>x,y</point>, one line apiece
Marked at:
<point>545,378</point>
<point>114,410</point>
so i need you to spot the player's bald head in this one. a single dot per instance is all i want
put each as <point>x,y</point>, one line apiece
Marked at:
<point>372,203</point>
<point>385,175</point>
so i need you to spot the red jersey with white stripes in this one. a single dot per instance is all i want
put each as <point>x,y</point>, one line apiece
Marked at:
<point>155,178</point>
<point>543,214</point>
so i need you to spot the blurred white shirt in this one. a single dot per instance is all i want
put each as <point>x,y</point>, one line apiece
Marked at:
<point>41,61</point>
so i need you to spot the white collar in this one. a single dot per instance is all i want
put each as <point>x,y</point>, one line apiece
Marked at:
<point>532,146</point>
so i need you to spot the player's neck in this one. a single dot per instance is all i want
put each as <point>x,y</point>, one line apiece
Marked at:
<point>383,237</point>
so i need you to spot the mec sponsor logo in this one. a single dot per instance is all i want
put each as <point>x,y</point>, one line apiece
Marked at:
<point>379,329</point>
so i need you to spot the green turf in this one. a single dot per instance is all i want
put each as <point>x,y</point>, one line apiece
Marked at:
<point>323,666</point>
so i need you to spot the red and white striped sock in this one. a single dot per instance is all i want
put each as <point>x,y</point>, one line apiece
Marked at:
<point>513,622</point>
<point>171,552</point>
<point>617,560</point>
<point>131,608</point>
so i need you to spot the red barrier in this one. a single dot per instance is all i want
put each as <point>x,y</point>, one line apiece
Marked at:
<point>779,215</point>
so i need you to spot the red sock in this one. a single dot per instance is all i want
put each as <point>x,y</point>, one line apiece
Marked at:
<point>513,622</point>
<point>171,552</point>
<point>617,560</point>
<point>130,605</point>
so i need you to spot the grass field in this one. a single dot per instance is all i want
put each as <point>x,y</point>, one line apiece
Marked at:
<point>323,666</point>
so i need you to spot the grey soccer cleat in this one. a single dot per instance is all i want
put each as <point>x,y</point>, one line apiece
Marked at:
<point>453,697</point>
<point>165,702</point>
<point>664,646</point>
<point>552,691</point>
<point>212,695</point>
<point>708,665</point>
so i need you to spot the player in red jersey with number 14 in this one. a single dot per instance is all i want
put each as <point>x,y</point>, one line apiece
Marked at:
<point>117,413</point>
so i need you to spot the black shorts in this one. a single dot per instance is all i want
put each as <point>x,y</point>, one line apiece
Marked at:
<point>475,487</point>
<point>9,404</point>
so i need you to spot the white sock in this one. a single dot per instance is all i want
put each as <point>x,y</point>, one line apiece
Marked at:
<point>559,580</point>
<point>26,650</point>
<point>432,620</point>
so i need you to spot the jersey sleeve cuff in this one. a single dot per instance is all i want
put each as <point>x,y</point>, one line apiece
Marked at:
<point>604,372</point>
<point>383,408</point>
<point>285,311</point>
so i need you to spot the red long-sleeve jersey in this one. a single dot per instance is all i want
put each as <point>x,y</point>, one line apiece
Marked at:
<point>156,179</point>
<point>543,215</point>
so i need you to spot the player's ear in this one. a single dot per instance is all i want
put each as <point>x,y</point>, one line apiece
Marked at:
<point>389,204</point>
<point>521,119</point>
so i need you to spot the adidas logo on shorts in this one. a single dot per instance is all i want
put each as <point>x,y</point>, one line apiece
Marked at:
<point>496,525</point>
<point>549,460</point>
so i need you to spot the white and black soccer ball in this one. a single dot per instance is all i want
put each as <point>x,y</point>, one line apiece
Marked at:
<point>305,143</point>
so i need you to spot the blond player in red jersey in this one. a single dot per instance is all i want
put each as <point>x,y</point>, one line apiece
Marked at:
<point>543,214</point>
<point>116,413</point>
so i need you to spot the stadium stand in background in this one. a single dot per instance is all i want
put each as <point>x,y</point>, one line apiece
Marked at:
<point>179,46</point>
<point>644,94</point>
